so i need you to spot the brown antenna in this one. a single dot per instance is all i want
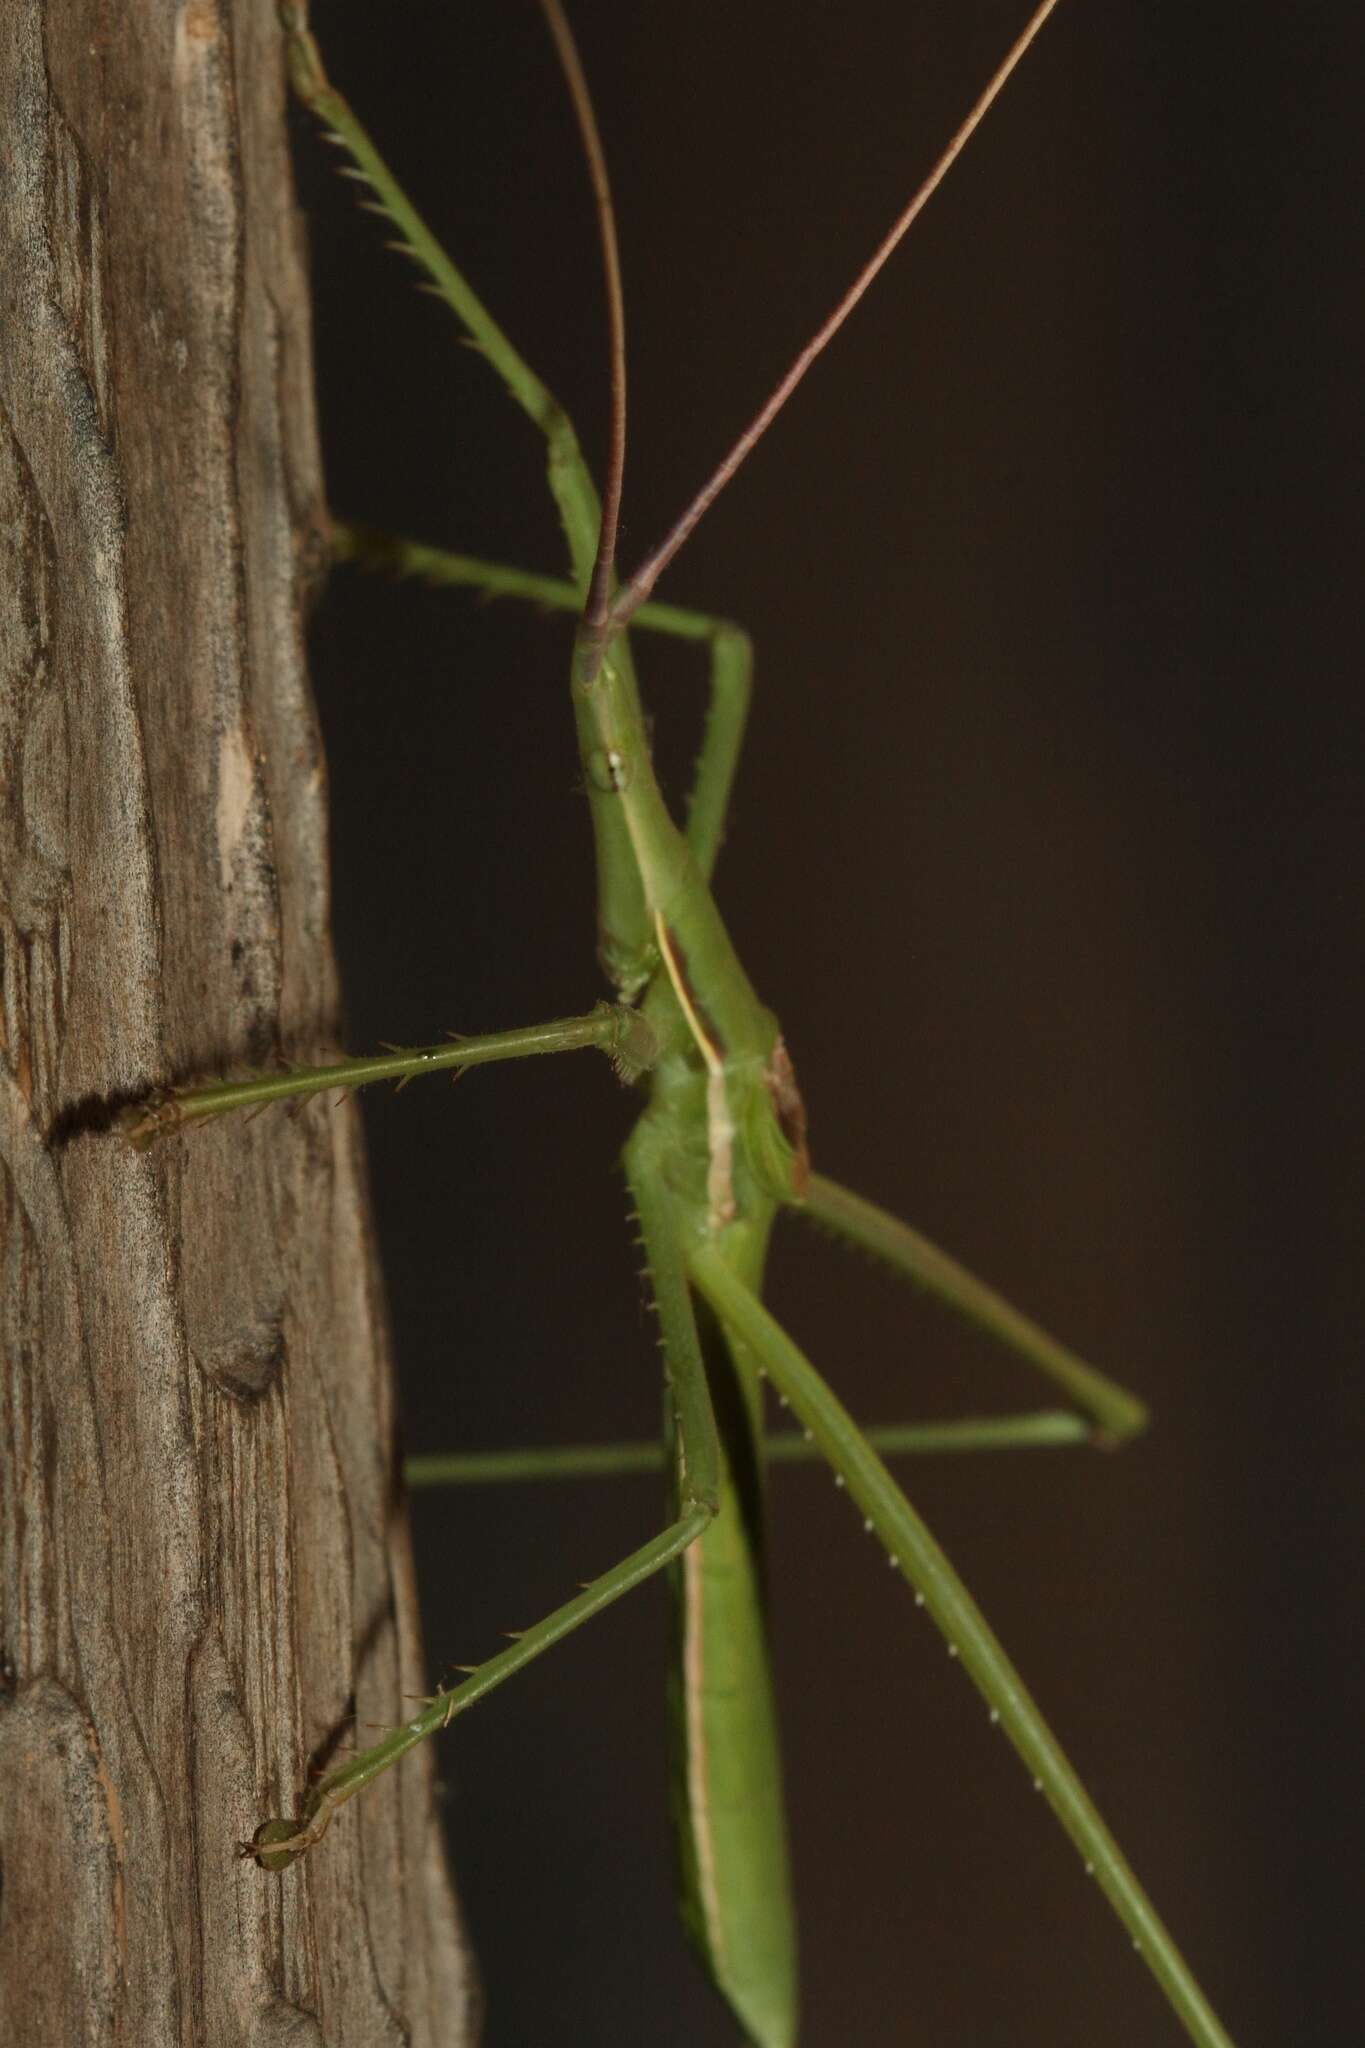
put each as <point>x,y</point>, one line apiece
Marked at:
<point>647,575</point>
<point>597,609</point>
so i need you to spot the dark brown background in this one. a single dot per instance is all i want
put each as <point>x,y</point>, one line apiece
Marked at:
<point>1045,851</point>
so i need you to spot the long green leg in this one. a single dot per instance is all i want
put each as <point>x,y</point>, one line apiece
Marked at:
<point>278,1842</point>
<point>625,931</point>
<point>1115,1411</point>
<point>731,655</point>
<point>1048,1428</point>
<point>969,1637</point>
<point>623,1034</point>
<point>570,483</point>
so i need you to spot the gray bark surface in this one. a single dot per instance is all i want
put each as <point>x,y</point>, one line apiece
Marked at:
<point>204,1565</point>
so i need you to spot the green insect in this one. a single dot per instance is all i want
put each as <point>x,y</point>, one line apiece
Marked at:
<point>718,1152</point>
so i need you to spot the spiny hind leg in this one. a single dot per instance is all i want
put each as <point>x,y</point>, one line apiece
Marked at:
<point>939,1591</point>
<point>279,1842</point>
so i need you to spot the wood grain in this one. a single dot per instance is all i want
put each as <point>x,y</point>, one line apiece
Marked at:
<point>204,1566</point>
